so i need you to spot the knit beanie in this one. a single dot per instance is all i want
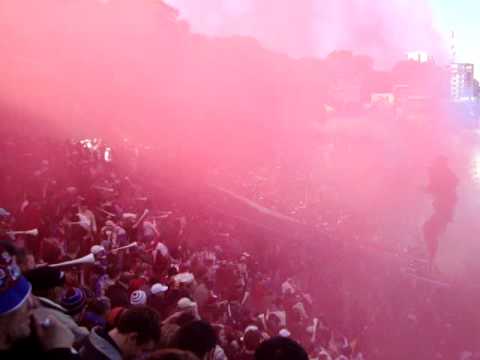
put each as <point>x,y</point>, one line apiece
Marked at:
<point>14,288</point>
<point>74,300</point>
<point>138,297</point>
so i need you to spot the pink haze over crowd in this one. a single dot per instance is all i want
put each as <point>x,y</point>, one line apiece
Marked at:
<point>146,71</point>
<point>385,30</point>
<point>226,89</point>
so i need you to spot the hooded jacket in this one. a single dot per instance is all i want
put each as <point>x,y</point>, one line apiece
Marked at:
<point>50,308</point>
<point>98,346</point>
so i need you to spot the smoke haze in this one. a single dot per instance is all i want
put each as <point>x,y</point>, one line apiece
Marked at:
<point>385,30</point>
<point>132,68</point>
<point>242,85</point>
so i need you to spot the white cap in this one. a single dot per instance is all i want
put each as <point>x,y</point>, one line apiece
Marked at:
<point>185,303</point>
<point>158,288</point>
<point>138,297</point>
<point>251,328</point>
<point>184,278</point>
<point>162,248</point>
<point>287,288</point>
<point>95,249</point>
<point>284,333</point>
<point>129,215</point>
<point>325,354</point>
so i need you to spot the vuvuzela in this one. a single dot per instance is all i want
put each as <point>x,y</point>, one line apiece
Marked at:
<point>125,247</point>
<point>33,232</point>
<point>87,259</point>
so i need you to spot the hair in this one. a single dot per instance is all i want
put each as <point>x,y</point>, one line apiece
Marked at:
<point>252,339</point>
<point>22,256</point>
<point>169,334</point>
<point>172,354</point>
<point>198,336</point>
<point>113,272</point>
<point>83,203</point>
<point>184,319</point>
<point>142,320</point>
<point>280,348</point>
<point>97,306</point>
<point>9,247</point>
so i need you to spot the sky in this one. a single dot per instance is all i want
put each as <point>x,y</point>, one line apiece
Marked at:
<point>414,24</point>
<point>460,16</point>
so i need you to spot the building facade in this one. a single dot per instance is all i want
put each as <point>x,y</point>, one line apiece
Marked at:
<point>462,82</point>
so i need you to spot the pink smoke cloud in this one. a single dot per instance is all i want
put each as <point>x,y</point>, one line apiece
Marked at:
<point>384,30</point>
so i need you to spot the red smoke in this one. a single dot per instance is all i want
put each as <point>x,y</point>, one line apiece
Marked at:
<point>129,68</point>
<point>385,30</point>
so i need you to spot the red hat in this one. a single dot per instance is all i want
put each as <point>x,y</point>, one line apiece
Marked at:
<point>114,315</point>
<point>136,284</point>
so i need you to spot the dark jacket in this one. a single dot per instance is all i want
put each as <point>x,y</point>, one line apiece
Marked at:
<point>118,296</point>
<point>99,346</point>
<point>55,354</point>
<point>30,348</point>
<point>158,303</point>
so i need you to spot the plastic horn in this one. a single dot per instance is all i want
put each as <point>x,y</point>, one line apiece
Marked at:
<point>125,247</point>
<point>314,332</point>
<point>162,215</point>
<point>33,232</point>
<point>103,188</point>
<point>140,220</point>
<point>106,212</point>
<point>87,259</point>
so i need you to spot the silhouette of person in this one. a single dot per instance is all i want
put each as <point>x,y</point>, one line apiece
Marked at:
<point>442,187</point>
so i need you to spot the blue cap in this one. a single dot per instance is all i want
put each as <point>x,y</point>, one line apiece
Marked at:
<point>14,288</point>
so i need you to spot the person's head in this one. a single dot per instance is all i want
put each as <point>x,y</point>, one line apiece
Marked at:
<point>273,323</point>
<point>252,338</point>
<point>138,297</point>
<point>172,354</point>
<point>74,300</point>
<point>343,345</point>
<point>16,302</point>
<point>113,273</point>
<point>137,331</point>
<point>99,306</point>
<point>25,260</point>
<point>185,318</point>
<point>172,270</point>
<point>186,304</point>
<point>198,336</point>
<point>16,324</point>
<point>113,317</point>
<point>324,355</point>
<point>5,219</point>
<point>158,289</point>
<point>47,282</point>
<point>82,206</point>
<point>280,348</point>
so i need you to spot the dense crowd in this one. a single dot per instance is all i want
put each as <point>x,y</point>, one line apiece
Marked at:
<point>116,271</point>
